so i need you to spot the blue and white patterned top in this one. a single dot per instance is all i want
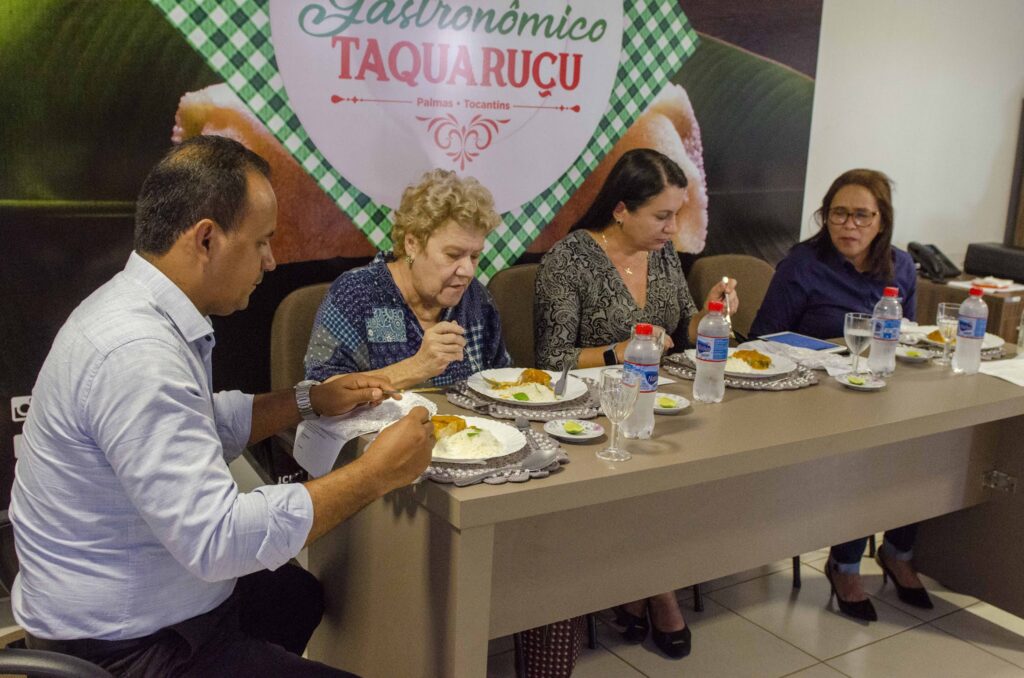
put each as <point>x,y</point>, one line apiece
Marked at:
<point>365,324</point>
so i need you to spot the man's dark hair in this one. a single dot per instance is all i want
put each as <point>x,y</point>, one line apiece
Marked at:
<point>204,177</point>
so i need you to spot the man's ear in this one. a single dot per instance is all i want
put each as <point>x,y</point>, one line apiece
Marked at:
<point>201,238</point>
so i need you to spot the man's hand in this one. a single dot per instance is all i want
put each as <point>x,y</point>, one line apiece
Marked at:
<point>344,392</point>
<point>442,345</point>
<point>402,451</point>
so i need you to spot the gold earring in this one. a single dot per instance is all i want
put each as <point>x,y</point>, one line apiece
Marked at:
<point>408,259</point>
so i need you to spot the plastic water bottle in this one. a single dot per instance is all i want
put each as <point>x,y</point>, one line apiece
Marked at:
<point>643,356</point>
<point>885,333</point>
<point>712,352</point>
<point>970,332</point>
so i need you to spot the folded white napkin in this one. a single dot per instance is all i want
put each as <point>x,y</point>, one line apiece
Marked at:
<point>319,441</point>
<point>806,357</point>
<point>1012,370</point>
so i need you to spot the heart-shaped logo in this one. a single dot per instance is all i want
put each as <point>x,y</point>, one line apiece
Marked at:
<point>526,96</point>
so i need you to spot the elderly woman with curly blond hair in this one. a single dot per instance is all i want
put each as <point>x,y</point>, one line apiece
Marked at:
<point>417,315</point>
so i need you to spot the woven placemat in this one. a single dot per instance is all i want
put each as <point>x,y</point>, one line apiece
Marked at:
<point>678,365</point>
<point>511,473</point>
<point>584,407</point>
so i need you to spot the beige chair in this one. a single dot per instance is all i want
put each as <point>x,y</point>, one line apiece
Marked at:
<point>512,290</point>
<point>752,278</point>
<point>289,334</point>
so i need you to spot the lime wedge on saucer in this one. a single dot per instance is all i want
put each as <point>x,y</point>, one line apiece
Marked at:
<point>573,427</point>
<point>666,403</point>
<point>856,381</point>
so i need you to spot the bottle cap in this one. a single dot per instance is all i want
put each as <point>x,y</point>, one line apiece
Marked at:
<point>977,291</point>
<point>892,292</point>
<point>644,329</point>
<point>715,306</point>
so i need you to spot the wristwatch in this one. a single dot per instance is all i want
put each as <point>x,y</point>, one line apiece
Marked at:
<point>302,398</point>
<point>609,355</point>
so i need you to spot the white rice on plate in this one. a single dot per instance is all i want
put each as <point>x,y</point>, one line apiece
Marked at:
<point>533,392</point>
<point>469,443</point>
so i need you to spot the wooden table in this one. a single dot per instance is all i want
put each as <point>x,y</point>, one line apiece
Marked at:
<point>420,580</point>
<point>1004,308</point>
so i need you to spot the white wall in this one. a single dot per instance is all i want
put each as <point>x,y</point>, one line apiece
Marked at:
<point>928,91</point>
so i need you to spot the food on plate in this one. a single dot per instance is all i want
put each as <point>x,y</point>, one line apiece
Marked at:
<point>747,362</point>
<point>527,376</point>
<point>447,425</point>
<point>531,386</point>
<point>913,354</point>
<point>573,427</point>
<point>666,403</point>
<point>527,393</point>
<point>756,359</point>
<point>471,442</point>
<point>936,336</point>
<point>991,282</point>
<point>856,381</point>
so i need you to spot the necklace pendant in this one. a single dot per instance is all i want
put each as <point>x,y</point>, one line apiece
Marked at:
<point>629,271</point>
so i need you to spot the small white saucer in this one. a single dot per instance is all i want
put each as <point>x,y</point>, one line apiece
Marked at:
<point>681,403</point>
<point>912,354</point>
<point>871,383</point>
<point>591,429</point>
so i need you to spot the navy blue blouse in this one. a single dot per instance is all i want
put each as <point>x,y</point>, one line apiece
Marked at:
<point>811,293</point>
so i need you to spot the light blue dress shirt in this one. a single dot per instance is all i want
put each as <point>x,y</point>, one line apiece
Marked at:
<point>126,518</point>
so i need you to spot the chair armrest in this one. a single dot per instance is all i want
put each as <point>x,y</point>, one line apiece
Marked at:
<point>48,664</point>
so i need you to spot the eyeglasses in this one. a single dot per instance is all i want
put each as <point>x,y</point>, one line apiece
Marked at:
<point>861,218</point>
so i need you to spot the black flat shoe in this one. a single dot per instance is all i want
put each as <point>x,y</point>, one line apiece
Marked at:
<point>675,644</point>
<point>917,597</point>
<point>635,628</point>
<point>860,609</point>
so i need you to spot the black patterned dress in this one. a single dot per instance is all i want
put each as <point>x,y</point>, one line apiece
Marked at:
<point>582,302</point>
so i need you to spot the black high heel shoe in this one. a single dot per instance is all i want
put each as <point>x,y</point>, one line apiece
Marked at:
<point>675,644</point>
<point>860,609</point>
<point>917,597</point>
<point>635,628</point>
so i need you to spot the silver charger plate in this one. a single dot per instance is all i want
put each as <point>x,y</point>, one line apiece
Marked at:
<point>678,365</point>
<point>586,407</point>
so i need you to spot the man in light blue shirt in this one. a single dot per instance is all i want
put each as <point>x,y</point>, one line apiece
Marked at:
<point>137,551</point>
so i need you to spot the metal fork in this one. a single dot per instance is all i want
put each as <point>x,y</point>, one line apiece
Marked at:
<point>562,380</point>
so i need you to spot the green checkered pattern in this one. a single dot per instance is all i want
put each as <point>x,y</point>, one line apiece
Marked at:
<point>234,39</point>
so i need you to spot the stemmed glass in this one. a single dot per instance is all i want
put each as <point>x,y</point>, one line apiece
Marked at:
<point>618,396</point>
<point>947,318</point>
<point>857,333</point>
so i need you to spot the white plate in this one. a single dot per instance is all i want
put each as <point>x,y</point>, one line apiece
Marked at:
<point>911,354</point>
<point>921,332</point>
<point>591,429</point>
<point>870,383</point>
<point>574,387</point>
<point>780,365</point>
<point>681,403</point>
<point>511,439</point>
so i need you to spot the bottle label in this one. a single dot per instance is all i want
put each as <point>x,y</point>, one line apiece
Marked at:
<point>645,375</point>
<point>886,329</point>
<point>971,328</point>
<point>712,349</point>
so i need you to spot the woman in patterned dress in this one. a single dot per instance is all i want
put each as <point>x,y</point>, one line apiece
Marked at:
<point>616,268</point>
<point>417,315</point>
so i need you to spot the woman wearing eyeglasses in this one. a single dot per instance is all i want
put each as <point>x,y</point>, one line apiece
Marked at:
<point>844,268</point>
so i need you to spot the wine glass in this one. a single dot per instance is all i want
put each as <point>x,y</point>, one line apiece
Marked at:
<point>947,318</point>
<point>618,396</point>
<point>857,333</point>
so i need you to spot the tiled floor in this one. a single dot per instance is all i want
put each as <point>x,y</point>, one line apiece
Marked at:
<point>755,624</point>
